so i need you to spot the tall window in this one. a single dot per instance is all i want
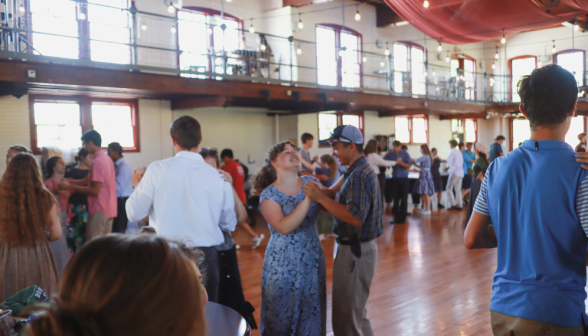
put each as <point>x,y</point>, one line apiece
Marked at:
<point>463,69</point>
<point>60,121</point>
<point>201,39</point>
<point>411,130</point>
<point>338,56</point>
<point>574,61</point>
<point>328,121</point>
<point>409,68</point>
<point>113,25</point>
<point>465,130</point>
<point>520,131</point>
<point>519,67</point>
<point>59,17</point>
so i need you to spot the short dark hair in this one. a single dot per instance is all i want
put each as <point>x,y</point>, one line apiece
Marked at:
<point>433,149</point>
<point>453,143</point>
<point>81,154</point>
<point>405,147</point>
<point>50,165</point>
<point>500,137</point>
<point>548,95</point>
<point>358,147</point>
<point>226,153</point>
<point>305,137</point>
<point>207,152</point>
<point>396,143</point>
<point>116,147</point>
<point>186,131</point>
<point>461,144</point>
<point>92,136</point>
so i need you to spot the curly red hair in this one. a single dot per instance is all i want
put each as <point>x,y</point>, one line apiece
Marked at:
<point>25,203</point>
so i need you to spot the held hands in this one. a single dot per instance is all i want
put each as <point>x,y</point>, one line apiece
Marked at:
<point>313,191</point>
<point>315,158</point>
<point>226,176</point>
<point>63,185</point>
<point>137,176</point>
<point>399,160</point>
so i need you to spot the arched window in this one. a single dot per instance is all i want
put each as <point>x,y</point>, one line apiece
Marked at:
<point>409,68</point>
<point>338,56</point>
<point>573,60</point>
<point>520,66</point>
<point>463,68</point>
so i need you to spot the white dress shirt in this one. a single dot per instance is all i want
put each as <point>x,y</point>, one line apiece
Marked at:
<point>455,161</point>
<point>186,199</point>
<point>376,161</point>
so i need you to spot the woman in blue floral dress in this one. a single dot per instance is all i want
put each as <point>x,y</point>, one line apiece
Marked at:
<point>426,186</point>
<point>293,297</point>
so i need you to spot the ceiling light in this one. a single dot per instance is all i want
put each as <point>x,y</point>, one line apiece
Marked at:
<point>299,51</point>
<point>364,59</point>
<point>171,9</point>
<point>503,39</point>
<point>357,16</point>
<point>82,16</point>
<point>496,56</point>
<point>300,24</point>
<point>144,26</point>
<point>382,64</point>
<point>263,47</point>
<point>173,29</point>
<point>387,51</point>
<point>439,48</point>
<point>21,8</point>
<point>251,28</point>
<point>426,4</point>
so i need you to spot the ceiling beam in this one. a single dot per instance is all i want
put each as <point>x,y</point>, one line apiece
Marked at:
<point>385,16</point>
<point>406,112</point>
<point>463,116</point>
<point>190,103</point>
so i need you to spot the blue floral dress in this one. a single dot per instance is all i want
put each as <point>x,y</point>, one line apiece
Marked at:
<point>294,280</point>
<point>426,186</point>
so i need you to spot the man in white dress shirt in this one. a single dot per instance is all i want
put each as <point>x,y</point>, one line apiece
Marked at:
<point>456,173</point>
<point>186,199</point>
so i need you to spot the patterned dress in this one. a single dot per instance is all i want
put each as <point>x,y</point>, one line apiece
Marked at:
<point>294,281</point>
<point>426,185</point>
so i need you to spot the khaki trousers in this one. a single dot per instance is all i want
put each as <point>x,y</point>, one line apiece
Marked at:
<point>352,278</point>
<point>98,225</point>
<point>507,325</point>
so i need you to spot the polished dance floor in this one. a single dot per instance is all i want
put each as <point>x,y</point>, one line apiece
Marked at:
<point>426,282</point>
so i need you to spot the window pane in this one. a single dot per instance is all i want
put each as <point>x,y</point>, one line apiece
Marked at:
<point>470,130</point>
<point>576,127</point>
<point>417,61</point>
<point>230,40</point>
<point>352,120</point>
<point>470,78</point>
<point>400,67</point>
<point>327,123</point>
<point>520,67</point>
<point>193,38</point>
<point>521,131</point>
<point>401,129</point>
<point>326,56</point>
<point>55,17</point>
<point>114,123</point>
<point>574,63</point>
<point>419,130</point>
<point>58,124</point>
<point>110,24</point>
<point>350,61</point>
<point>456,126</point>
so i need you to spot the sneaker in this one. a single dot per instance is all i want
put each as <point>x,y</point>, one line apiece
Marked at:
<point>426,213</point>
<point>440,206</point>
<point>257,241</point>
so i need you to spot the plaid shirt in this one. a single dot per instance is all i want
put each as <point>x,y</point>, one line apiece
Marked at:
<point>360,192</point>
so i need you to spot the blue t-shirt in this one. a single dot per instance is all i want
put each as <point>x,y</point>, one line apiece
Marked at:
<point>537,199</point>
<point>467,157</point>
<point>398,170</point>
<point>495,151</point>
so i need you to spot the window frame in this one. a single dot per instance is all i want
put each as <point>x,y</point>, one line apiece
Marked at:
<point>338,29</point>
<point>410,45</point>
<point>511,133</point>
<point>85,104</point>
<point>570,51</point>
<point>410,131</point>
<point>510,71</point>
<point>461,61</point>
<point>340,115</point>
<point>463,122</point>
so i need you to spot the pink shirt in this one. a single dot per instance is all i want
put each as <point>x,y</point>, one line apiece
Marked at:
<point>102,170</point>
<point>62,195</point>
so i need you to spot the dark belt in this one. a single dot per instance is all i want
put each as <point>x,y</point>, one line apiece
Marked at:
<point>348,242</point>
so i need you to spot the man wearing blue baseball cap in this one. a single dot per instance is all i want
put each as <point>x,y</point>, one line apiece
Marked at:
<point>355,202</point>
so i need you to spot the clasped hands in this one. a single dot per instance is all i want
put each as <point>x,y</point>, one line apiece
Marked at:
<point>314,191</point>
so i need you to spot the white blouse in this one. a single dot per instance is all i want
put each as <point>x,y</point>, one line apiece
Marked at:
<point>377,161</point>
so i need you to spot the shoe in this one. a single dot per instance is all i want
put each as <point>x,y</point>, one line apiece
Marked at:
<point>399,221</point>
<point>440,206</point>
<point>257,241</point>
<point>455,208</point>
<point>426,213</point>
<point>237,247</point>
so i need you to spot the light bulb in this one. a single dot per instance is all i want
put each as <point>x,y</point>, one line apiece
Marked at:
<point>382,64</point>
<point>503,40</point>
<point>300,24</point>
<point>173,29</point>
<point>447,59</point>
<point>493,66</point>
<point>425,74</point>
<point>426,4</point>
<point>387,52</point>
<point>439,48</point>
<point>496,56</point>
<point>82,16</point>
<point>434,74</point>
<point>491,83</point>
<point>364,59</point>
<point>263,47</point>
<point>299,51</point>
<point>252,29</point>
<point>144,26</point>
<point>553,50</point>
<point>171,9</point>
<point>357,16</point>
<point>21,8</point>
<point>576,27</point>
<point>229,0</point>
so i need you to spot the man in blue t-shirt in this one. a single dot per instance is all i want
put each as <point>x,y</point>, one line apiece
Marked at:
<point>496,149</point>
<point>400,183</point>
<point>537,199</point>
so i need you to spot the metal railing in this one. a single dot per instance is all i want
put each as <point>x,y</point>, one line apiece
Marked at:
<point>208,47</point>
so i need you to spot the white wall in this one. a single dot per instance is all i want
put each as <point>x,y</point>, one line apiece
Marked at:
<point>14,125</point>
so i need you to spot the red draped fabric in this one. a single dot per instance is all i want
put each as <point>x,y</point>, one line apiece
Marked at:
<point>469,21</point>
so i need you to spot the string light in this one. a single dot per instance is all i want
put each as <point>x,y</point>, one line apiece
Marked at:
<point>425,74</point>
<point>364,59</point>
<point>576,27</point>
<point>251,28</point>
<point>229,0</point>
<point>299,51</point>
<point>553,50</point>
<point>171,9</point>
<point>300,24</point>
<point>357,16</point>
<point>143,27</point>
<point>434,74</point>
<point>173,29</point>
<point>496,56</point>
<point>387,51</point>
<point>440,48</point>
<point>447,58</point>
<point>426,4</point>
<point>21,8</point>
<point>382,64</point>
<point>82,16</point>
<point>263,47</point>
<point>493,65</point>
<point>503,39</point>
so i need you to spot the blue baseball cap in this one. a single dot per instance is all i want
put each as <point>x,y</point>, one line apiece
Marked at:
<point>344,133</point>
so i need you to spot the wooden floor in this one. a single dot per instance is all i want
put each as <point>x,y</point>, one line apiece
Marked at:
<point>426,282</point>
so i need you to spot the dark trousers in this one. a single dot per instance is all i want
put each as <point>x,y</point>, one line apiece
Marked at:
<point>119,225</point>
<point>210,272</point>
<point>400,186</point>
